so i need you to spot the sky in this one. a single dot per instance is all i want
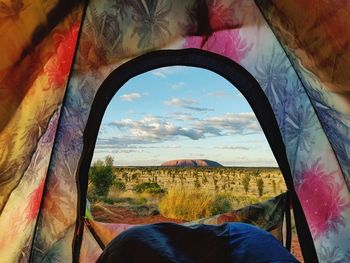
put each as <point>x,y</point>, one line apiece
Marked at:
<point>181,112</point>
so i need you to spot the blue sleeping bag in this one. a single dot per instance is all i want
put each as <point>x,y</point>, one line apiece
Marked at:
<point>168,242</point>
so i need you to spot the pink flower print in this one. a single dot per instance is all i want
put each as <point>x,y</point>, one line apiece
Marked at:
<point>321,200</point>
<point>227,43</point>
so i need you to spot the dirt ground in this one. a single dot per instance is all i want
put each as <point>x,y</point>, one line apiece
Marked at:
<point>113,214</point>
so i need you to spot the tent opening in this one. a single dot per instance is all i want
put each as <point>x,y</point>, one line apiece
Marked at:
<point>176,134</point>
<point>237,77</point>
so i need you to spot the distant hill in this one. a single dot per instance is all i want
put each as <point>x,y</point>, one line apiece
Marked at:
<point>191,163</point>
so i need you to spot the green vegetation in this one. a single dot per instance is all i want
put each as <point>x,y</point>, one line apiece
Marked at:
<point>246,182</point>
<point>274,187</point>
<point>101,176</point>
<point>260,186</point>
<point>148,187</point>
<point>182,193</point>
<point>221,204</point>
<point>119,185</point>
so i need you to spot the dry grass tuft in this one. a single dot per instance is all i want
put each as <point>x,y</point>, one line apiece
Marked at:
<point>186,203</point>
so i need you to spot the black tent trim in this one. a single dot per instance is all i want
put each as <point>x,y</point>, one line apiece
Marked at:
<point>235,74</point>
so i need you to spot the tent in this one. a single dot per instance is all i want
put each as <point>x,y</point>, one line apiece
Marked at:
<point>62,61</point>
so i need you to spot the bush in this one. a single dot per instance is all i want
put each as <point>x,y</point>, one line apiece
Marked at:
<point>119,185</point>
<point>106,200</point>
<point>274,187</point>
<point>148,187</point>
<point>260,186</point>
<point>101,176</point>
<point>245,182</point>
<point>139,201</point>
<point>222,204</point>
<point>197,184</point>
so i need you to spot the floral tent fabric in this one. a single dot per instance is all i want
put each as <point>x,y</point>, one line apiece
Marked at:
<point>56,54</point>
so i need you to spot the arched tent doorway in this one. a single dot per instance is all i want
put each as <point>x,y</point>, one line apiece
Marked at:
<point>228,69</point>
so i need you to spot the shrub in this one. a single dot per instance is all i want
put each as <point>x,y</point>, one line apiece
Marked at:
<point>204,180</point>
<point>148,187</point>
<point>245,182</point>
<point>222,204</point>
<point>274,187</point>
<point>106,200</point>
<point>139,201</point>
<point>197,184</point>
<point>260,186</point>
<point>119,185</point>
<point>109,161</point>
<point>101,175</point>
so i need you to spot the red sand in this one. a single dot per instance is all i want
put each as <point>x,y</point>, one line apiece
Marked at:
<point>113,214</point>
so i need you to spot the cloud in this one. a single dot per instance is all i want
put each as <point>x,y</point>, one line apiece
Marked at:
<point>150,130</point>
<point>166,71</point>
<point>197,108</point>
<point>186,104</point>
<point>180,102</point>
<point>131,111</point>
<point>156,129</point>
<point>183,116</point>
<point>132,144</point>
<point>236,123</point>
<point>103,129</point>
<point>130,97</point>
<point>232,148</point>
<point>209,130</point>
<point>178,85</point>
<point>172,147</point>
<point>159,73</point>
<point>113,150</point>
<point>218,94</point>
<point>121,142</point>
